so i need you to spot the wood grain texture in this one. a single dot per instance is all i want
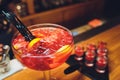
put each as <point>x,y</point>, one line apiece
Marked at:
<point>111,36</point>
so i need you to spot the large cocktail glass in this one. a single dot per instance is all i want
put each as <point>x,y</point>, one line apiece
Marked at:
<point>51,47</point>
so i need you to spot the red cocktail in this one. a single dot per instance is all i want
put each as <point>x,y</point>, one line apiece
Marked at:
<point>51,48</point>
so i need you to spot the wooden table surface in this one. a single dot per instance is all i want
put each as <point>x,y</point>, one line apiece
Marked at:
<point>111,36</point>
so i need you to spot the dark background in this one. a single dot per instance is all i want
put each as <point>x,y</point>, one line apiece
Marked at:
<point>112,8</point>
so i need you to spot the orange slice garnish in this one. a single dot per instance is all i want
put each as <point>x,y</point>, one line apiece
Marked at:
<point>15,47</point>
<point>63,49</point>
<point>33,42</point>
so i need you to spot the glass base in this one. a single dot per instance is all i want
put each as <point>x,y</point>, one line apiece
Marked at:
<point>78,58</point>
<point>100,71</point>
<point>89,64</point>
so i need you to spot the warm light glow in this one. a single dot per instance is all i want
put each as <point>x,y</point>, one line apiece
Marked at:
<point>18,7</point>
<point>4,22</point>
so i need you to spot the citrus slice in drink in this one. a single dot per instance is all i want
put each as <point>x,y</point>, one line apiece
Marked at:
<point>63,53</point>
<point>64,49</point>
<point>33,42</point>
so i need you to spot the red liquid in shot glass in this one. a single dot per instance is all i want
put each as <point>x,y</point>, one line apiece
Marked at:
<point>101,64</point>
<point>79,52</point>
<point>89,58</point>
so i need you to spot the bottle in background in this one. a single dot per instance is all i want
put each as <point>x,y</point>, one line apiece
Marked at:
<point>40,5</point>
<point>22,9</point>
<point>5,60</point>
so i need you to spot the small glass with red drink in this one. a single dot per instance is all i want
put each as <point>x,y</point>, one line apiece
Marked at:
<point>101,64</point>
<point>89,58</point>
<point>79,52</point>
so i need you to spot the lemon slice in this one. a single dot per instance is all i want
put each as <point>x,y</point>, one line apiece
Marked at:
<point>33,42</point>
<point>15,47</point>
<point>63,48</point>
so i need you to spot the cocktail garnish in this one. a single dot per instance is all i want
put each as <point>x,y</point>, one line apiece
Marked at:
<point>31,43</point>
<point>63,48</point>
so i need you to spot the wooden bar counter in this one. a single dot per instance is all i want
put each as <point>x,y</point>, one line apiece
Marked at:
<point>111,36</point>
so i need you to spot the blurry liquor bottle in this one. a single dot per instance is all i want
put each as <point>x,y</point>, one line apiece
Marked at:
<point>62,2</point>
<point>69,1</point>
<point>47,4</point>
<point>22,8</point>
<point>38,5</point>
<point>65,2</point>
<point>4,25</point>
<point>55,3</point>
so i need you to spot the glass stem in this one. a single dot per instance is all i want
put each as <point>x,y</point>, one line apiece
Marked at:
<point>47,75</point>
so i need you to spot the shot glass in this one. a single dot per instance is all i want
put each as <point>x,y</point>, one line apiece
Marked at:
<point>79,52</point>
<point>89,58</point>
<point>101,64</point>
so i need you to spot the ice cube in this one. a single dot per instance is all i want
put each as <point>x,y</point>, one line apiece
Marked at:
<point>47,51</point>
